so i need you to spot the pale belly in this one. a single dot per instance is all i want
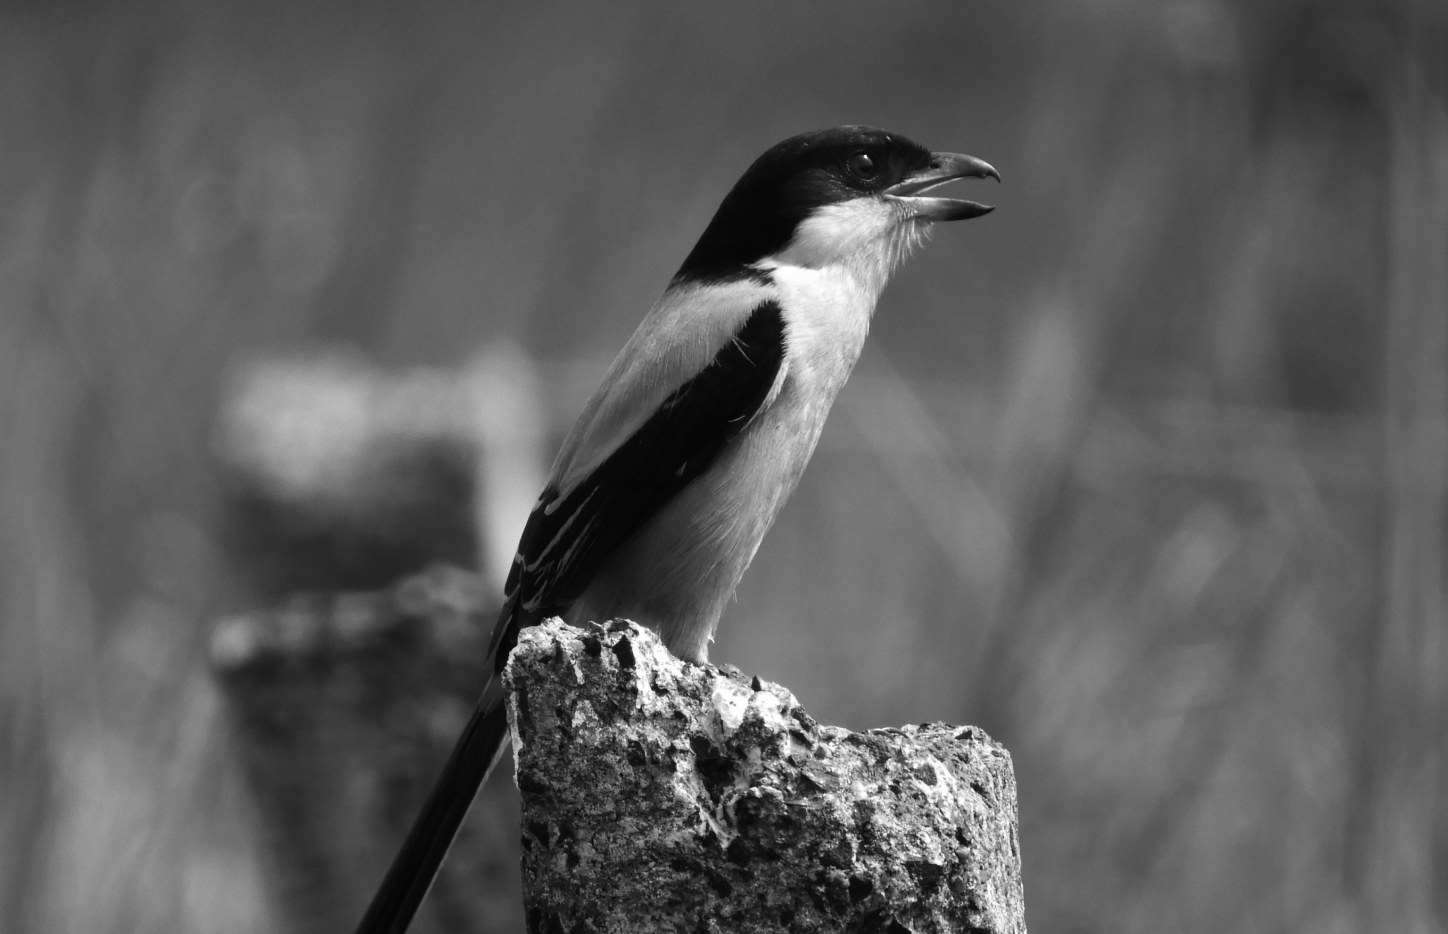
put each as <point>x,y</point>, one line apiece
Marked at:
<point>678,572</point>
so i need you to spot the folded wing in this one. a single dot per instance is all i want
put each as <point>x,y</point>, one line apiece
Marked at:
<point>575,527</point>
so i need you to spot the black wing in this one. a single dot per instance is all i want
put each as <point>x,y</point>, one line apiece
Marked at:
<point>568,537</point>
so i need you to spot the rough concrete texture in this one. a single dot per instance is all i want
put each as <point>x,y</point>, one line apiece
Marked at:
<point>664,796</point>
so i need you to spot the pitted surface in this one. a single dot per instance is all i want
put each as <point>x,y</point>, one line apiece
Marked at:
<point>662,796</point>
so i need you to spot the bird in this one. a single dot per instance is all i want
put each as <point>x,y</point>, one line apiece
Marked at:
<point>700,430</point>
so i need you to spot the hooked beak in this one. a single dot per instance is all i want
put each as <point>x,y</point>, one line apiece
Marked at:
<point>944,167</point>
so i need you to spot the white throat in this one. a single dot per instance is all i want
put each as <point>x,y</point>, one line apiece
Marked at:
<point>865,237</point>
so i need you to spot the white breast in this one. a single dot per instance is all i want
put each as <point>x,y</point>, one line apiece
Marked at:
<point>679,571</point>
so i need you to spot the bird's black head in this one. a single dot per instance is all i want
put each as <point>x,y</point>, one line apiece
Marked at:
<point>796,178</point>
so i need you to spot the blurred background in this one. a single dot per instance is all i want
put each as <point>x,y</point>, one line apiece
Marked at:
<point>1144,473</point>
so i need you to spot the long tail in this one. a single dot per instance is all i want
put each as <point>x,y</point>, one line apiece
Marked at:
<point>412,872</point>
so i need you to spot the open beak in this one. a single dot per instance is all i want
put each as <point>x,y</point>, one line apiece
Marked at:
<point>944,167</point>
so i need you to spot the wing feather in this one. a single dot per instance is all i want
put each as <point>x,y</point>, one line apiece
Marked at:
<point>678,338</point>
<point>574,528</point>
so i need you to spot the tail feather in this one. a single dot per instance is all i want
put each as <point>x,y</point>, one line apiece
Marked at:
<point>415,865</point>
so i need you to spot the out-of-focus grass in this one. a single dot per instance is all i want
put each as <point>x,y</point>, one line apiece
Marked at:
<point>1144,475</point>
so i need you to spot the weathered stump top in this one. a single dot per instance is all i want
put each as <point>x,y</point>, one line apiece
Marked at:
<point>665,796</point>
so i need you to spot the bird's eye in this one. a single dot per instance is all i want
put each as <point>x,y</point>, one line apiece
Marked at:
<point>863,166</point>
